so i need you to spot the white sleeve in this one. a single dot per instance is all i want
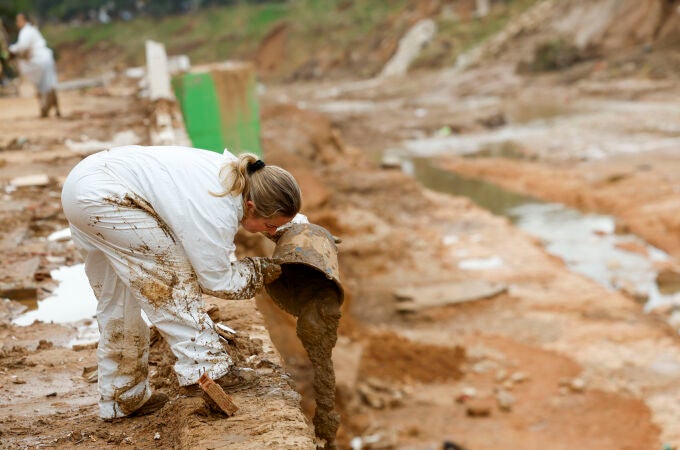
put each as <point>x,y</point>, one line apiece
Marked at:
<point>211,254</point>
<point>24,41</point>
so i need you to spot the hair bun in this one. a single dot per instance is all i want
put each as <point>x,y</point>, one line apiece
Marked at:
<point>255,166</point>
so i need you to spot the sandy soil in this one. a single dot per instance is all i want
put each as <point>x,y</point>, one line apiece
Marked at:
<point>554,330</point>
<point>554,361</point>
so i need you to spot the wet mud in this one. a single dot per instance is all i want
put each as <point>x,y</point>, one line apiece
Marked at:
<point>317,328</point>
<point>132,356</point>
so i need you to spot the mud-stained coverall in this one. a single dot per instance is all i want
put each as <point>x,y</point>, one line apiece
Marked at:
<point>154,238</point>
<point>36,61</point>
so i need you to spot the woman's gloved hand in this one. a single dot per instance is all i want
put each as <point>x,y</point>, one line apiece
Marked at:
<point>269,269</point>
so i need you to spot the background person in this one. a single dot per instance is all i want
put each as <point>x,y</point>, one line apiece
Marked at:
<point>157,226</point>
<point>36,62</point>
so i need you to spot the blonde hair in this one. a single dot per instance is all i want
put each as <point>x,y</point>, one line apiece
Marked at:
<point>273,189</point>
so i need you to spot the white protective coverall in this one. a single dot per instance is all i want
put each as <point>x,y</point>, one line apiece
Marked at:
<point>154,238</point>
<point>36,61</point>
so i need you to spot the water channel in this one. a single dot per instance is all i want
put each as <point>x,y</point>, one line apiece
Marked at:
<point>588,243</point>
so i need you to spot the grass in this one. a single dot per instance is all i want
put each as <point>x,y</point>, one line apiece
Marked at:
<point>323,29</point>
<point>455,37</point>
<point>233,32</point>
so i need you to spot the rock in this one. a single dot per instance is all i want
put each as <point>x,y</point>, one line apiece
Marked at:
<point>44,345</point>
<point>90,374</point>
<point>466,394</point>
<point>390,162</point>
<point>449,445</point>
<point>379,395</point>
<point>501,375</point>
<point>505,400</point>
<point>17,143</point>
<point>519,377</point>
<point>478,408</point>
<point>577,385</point>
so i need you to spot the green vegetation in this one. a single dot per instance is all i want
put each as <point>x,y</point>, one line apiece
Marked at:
<point>456,36</point>
<point>346,36</point>
<point>224,32</point>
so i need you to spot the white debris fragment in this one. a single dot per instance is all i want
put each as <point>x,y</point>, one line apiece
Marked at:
<point>493,262</point>
<point>30,180</point>
<point>127,137</point>
<point>157,436</point>
<point>223,327</point>
<point>60,236</point>
<point>450,239</point>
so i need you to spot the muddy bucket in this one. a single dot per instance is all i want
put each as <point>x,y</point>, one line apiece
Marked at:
<point>309,267</point>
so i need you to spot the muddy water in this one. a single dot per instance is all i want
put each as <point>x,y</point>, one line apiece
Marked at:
<point>71,301</point>
<point>587,243</point>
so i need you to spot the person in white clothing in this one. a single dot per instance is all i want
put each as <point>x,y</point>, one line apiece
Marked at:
<point>157,227</point>
<point>36,62</point>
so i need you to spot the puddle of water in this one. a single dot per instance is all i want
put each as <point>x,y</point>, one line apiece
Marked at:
<point>72,300</point>
<point>486,195</point>
<point>586,242</point>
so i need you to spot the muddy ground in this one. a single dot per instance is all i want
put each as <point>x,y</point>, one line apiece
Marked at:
<point>551,359</point>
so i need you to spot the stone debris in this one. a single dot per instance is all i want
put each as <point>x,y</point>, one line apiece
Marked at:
<point>374,441</point>
<point>519,377</point>
<point>380,395</point>
<point>572,385</point>
<point>39,179</point>
<point>90,374</point>
<point>481,407</point>
<point>505,400</point>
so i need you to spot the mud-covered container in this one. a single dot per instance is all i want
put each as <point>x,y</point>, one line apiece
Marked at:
<point>309,267</point>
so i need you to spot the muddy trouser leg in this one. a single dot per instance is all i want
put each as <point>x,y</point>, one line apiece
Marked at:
<point>53,101</point>
<point>43,101</point>
<point>134,265</point>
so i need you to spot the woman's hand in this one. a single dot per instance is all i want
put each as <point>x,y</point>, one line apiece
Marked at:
<point>269,269</point>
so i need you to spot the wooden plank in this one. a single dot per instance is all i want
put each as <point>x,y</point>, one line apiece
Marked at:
<point>413,299</point>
